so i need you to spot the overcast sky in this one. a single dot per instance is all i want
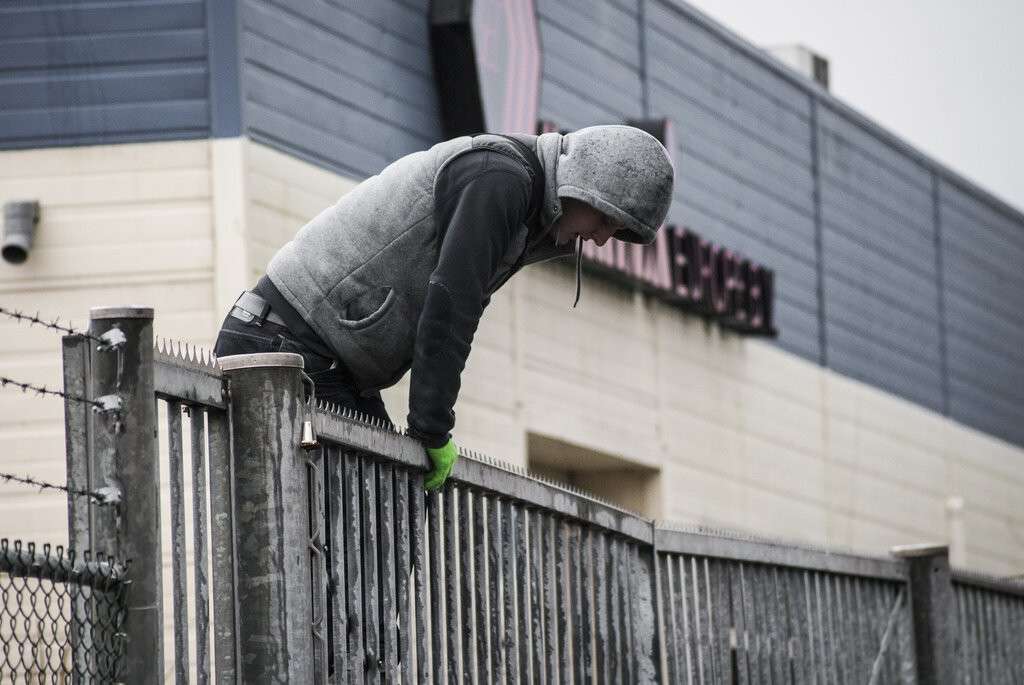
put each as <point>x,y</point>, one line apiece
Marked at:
<point>945,75</point>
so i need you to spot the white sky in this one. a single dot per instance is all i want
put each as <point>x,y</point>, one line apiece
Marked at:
<point>947,76</point>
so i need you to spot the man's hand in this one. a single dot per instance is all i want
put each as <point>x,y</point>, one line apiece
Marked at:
<point>443,459</point>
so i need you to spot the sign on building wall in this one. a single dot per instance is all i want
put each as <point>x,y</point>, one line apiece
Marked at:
<point>487,60</point>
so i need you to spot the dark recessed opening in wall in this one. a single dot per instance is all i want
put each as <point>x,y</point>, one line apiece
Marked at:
<point>623,482</point>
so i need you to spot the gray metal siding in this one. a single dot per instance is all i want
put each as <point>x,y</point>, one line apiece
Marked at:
<point>878,250</point>
<point>102,72</point>
<point>743,160</point>
<point>982,250</point>
<point>347,84</point>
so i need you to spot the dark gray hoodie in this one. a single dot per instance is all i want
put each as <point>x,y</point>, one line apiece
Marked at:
<point>361,273</point>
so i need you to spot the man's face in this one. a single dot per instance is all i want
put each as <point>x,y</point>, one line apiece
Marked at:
<point>580,219</point>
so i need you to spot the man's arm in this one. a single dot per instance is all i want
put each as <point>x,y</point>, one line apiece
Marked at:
<point>482,201</point>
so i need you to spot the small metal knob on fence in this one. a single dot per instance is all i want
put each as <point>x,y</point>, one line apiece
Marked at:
<point>308,436</point>
<point>309,440</point>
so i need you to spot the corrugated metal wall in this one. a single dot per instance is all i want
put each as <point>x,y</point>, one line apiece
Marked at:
<point>889,269</point>
<point>102,72</point>
<point>348,84</point>
<point>744,159</point>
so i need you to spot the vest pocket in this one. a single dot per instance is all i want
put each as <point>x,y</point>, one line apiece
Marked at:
<point>367,308</point>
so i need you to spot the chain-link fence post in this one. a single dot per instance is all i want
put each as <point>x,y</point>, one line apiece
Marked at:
<point>932,610</point>
<point>124,463</point>
<point>272,518</point>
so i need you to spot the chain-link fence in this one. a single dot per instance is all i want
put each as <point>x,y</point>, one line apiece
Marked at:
<point>60,616</point>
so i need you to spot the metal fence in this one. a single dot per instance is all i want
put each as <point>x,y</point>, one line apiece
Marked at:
<point>314,555</point>
<point>60,617</point>
<point>989,630</point>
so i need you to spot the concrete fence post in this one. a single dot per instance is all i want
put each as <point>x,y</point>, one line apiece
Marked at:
<point>933,611</point>
<point>272,518</point>
<point>123,463</point>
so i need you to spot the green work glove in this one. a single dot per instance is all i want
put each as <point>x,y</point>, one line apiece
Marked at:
<point>443,459</point>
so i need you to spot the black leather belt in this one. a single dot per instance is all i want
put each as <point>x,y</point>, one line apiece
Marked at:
<point>251,308</point>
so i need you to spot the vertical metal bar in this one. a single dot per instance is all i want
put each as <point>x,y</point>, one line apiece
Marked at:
<point>981,617</point>
<point>451,584</point>
<point>178,560</point>
<point>695,597</point>
<point>418,525</point>
<point>841,639</point>
<point>509,526</point>
<point>551,635</point>
<point>272,518</point>
<point>388,597</point>
<point>714,627</point>
<point>753,612</point>
<point>811,647</point>
<point>670,604</point>
<point>565,592</point>
<point>577,578</point>
<point>601,604</point>
<point>739,622</point>
<point>317,542</point>
<point>483,580</point>
<point>962,646</point>
<point>756,612</point>
<point>436,574</point>
<point>628,599</point>
<point>787,620</point>
<point>690,652</point>
<point>404,560</point>
<point>77,430</point>
<point>863,645</point>
<point>355,667</point>
<point>128,460</point>
<point>772,610</point>
<point>222,539</point>
<point>647,637</point>
<point>1016,610</point>
<point>722,619</point>
<point>821,631</point>
<point>537,598</point>
<point>802,671</point>
<point>334,483</point>
<point>615,612</point>
<point>199,540</point>
<point>849,627</point>
<point>371,570</point>
<point>523,592</point>
<point>78,442</point>
<point>495,571</point>
<point>467,575</point>
<point>587,586</point>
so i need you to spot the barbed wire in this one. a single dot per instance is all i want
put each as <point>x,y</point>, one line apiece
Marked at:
<point>104,404</point>
<point>36,320</point>
<point>103,497</point>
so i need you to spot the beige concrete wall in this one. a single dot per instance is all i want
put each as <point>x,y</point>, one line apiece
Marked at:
<point>742,434</point>
<point>119,224</point>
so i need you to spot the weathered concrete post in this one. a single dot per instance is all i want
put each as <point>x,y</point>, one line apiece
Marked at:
<point>933,611</point>
<point>272,518</point>
<point>124,464</point>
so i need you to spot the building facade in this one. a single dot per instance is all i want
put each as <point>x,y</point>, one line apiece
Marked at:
<point>174,146</point>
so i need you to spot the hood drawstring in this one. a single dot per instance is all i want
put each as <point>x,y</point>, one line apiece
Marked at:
<point>579,268</point>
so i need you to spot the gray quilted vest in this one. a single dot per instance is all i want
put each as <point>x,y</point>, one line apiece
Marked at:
<point>358,272</point>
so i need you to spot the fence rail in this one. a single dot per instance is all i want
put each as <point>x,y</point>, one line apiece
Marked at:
<point>314,555</point>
